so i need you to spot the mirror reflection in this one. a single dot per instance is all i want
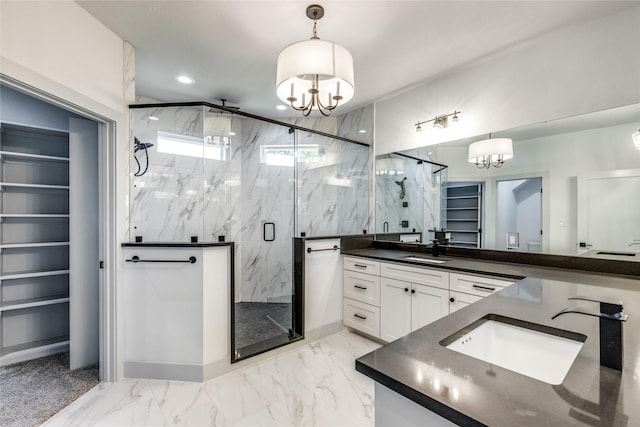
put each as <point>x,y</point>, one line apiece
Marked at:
<point>570,188</point>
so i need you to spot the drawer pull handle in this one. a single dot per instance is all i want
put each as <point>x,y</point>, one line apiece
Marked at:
<point>360,316</point>
<point>360,265</point>
<point>364,288</point>
<point>483,288</point>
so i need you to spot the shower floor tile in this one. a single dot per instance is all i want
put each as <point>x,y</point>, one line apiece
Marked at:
<point>257,322</point>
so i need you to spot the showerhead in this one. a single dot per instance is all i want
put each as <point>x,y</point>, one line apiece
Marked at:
<point>137,145</point>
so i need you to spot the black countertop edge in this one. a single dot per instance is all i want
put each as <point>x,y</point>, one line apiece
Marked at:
<point>433,405</point>
<point>448,267</point>
<point>336,236</point>
<point>175,245</point>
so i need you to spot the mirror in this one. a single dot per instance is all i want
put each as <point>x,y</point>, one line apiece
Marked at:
<point>588,170</point>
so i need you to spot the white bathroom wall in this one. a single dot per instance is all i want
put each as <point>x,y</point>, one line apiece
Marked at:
<point>587,67</point>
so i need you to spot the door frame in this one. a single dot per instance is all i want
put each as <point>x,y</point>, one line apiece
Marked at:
<point>582,208</point>
<point>107,133</point>
<point>497,210</point>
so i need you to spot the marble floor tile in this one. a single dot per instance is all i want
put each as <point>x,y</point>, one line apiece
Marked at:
<point>312,385</point>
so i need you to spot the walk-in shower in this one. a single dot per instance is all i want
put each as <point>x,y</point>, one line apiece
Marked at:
<point>216,174</point>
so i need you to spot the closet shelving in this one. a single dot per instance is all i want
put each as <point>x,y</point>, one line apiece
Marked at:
<point>464,202</point>
<point>34,242</point>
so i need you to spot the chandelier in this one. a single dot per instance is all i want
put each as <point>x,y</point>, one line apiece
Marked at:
<point>314,73</point>
<point>490,152</point>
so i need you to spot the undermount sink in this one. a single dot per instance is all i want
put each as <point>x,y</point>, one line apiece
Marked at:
<point>537,351</point>
<point>420,259</point>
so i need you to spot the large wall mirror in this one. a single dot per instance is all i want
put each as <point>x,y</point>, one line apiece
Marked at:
<point>572,188</point>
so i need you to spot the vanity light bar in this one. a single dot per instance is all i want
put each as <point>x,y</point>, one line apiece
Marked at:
<point>440,122</point>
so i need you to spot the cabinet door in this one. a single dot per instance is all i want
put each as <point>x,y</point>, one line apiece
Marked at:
<point>428,304</point>
<point>458,300</point>
<point>395,309</point>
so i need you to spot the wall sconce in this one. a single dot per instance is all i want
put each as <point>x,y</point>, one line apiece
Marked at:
<point>636,139</point>
<point>490,152</point>
<point>440,122</point>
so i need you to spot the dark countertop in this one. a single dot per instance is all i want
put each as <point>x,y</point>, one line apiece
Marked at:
<point>468,391</point>
<point>174,244</point>
<point>491,268</point>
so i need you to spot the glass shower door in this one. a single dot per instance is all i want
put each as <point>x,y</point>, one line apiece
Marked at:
<point>263,308</point>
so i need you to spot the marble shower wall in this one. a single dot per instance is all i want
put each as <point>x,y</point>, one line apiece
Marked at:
<point>248,178</point>
<point>166,201</point>
<point>422,197</point>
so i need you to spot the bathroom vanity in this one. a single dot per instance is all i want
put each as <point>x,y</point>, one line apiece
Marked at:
<point>427,377</point>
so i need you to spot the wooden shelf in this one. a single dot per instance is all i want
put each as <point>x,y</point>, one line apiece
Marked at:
<point>33,302</point>
<point>30,274</point>
<point>32,157</point>
<point>32,245</point>
<point>34,186</point>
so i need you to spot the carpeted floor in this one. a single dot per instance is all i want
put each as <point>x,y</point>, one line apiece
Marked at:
<point>33,391</point>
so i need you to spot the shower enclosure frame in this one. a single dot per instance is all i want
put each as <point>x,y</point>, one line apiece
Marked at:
<point>298,323</point>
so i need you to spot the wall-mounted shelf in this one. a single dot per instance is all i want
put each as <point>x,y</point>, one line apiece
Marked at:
<point>34,186</point>
<point>33,349</point>
<point>33,302</point>
<point>12,155</point>
<point>32,274</point>
<point>34,242</point>
<point>32,245</point>
<point>34,215</point>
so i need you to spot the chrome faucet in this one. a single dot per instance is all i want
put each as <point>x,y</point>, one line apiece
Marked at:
<point>611,318</point>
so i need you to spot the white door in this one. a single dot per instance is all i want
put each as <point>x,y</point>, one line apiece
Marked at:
<point>609,211</point>
<point>84,245</point>
<point>428,305</point>
<point>395,309</point>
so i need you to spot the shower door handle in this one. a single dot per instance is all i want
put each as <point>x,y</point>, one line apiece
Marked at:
<point>268,231</point>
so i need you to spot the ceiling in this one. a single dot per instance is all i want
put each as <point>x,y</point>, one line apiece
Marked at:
<point>230,47</point>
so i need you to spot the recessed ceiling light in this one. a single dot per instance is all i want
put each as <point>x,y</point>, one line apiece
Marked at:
<point>232,133</point>
<point>362,131</point>
<point>280,107</point>
<point>153,118</point>
<point>186,80</point>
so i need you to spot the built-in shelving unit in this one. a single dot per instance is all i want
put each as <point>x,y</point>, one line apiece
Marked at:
<point>464,209</point>
<point>34,242</point>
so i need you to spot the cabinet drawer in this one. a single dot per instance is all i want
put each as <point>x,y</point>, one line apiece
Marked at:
<point>362,265</point>
<point>477,285</point>
<point>421,276</point>
<point>363,317</point>
<point>362,287</point>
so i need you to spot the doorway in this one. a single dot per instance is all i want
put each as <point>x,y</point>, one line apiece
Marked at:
<point>51,235</point>
<point>519,215</point>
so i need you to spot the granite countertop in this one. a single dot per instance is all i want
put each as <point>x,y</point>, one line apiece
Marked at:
<point>468,391</point>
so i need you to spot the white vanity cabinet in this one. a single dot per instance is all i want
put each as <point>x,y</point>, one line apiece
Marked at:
<point>361,291</point>
<point>419,298</point>
<point>388,300</point>
<point>467,289</point>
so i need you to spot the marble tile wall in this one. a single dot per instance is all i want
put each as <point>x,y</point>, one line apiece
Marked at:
<point>422,211</point>
<point>254,180</point>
